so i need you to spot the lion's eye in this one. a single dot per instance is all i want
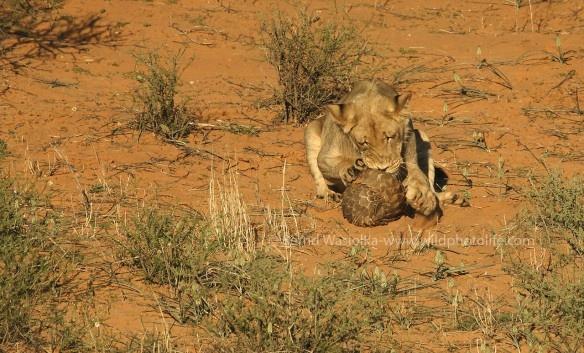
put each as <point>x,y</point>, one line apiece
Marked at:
<point>363,143</point>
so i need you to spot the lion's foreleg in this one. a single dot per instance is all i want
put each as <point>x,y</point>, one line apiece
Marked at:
<point>339,170</point>
<point>313,143</point>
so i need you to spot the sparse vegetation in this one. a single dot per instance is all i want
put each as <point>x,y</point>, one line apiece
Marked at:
<point>558,209</point>
<point>158,107</point>
<point>177,251</point>
<point>34,273</point>
<point>229,218</point>
<point>561,56</point>
<point>150,341</point>
<point>252,299</point>
<point>316,62</point>
<point>154,342</point>
<point>264,306</point>
<point>168,249</point>
<point>265,267</point>
<point>287,311</point>
<point>551,283</point>
<point>516,3</point>
<point>3,148</point>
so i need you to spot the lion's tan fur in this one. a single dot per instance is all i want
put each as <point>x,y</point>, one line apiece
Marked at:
<point>365,128</point>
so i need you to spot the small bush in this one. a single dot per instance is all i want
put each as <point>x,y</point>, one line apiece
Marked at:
<point>550,311</point>
<point>316,62</point>
<point>34,270</point>
<point>559,207</point>
<point>158,109</point>
<point>176,251</point>
<point>168,249</point>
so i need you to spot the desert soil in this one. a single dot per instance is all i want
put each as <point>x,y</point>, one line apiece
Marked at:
<point>65,118</point>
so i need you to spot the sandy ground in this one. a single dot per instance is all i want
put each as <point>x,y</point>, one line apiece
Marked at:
<point>65,118</point>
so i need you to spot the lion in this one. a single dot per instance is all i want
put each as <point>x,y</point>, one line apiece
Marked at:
<point>365,130</point>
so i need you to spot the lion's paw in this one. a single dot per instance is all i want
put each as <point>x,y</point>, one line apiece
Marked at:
<point>323,192</point>
<point>421,198</point>
<point>349,174</point>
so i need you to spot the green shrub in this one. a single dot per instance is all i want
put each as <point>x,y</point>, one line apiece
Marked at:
<point>158,110</point>
<point>168,249</point>
<point>316,62</point>
<point>550,283</point>
<point>559,207</point>
<point>176,251</point>
<point>550,311</point>
<point>34,271</point>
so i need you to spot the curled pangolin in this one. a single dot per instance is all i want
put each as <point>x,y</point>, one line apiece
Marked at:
<point>374,198</point>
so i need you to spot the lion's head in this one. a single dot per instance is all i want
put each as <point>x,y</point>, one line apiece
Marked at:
<point>369,115</point>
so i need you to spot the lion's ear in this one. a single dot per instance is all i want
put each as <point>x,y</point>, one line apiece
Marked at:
<point>343,115</point>
<point>399,102</point>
